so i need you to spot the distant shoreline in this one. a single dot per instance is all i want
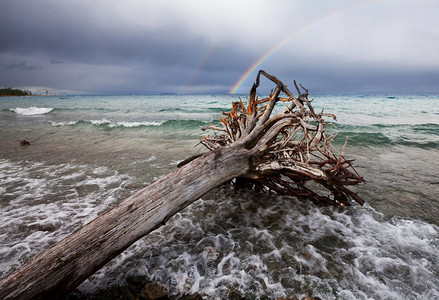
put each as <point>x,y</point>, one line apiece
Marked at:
<point>28,95</point>
<point>14,92</point>
<point>11,92</point>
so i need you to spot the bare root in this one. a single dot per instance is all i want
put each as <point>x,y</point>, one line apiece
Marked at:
<point>290,152</point>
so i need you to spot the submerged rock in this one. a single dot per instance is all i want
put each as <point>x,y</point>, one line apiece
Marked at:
<point>24,143</point>
<point>137,280</point>
<point>191,297</point>
<point>154,291</point>
<point>127,293</point>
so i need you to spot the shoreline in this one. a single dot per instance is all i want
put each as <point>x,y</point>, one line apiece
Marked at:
<point>29,95</point>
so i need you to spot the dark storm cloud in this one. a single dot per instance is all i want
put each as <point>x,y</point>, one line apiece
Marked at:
<point>56,61</point>
<point>58,33</point>
<point>44,29</point>
<point>22,65</point>
<point>169,46</point>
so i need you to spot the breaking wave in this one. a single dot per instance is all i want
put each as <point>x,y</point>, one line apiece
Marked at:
<point>108,124</point>
<point>30,111</point>
<point>260,246</point>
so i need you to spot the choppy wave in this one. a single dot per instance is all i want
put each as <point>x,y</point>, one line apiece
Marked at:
<point>104,123</point>
<point>230,243</point>
<point>127,124</point>
<point>197,110</point>
<point>425,136</point>
<point>53,123</point>
<point>429,128</point>
<point>259,245</point>
<point>108,123</point>
<point>42,203</point>
<point>183,124</point>
<point>30,111</point>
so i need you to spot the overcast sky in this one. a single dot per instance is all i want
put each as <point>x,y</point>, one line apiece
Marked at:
<point>195,46</point>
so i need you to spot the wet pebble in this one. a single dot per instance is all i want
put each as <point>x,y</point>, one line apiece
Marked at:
<point>153,291</point>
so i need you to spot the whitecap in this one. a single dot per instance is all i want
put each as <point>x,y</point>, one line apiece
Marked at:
<point>59,124</point>
<point>31,111</point>
<point>100,122</point>
<point>136,124</point>
<point>126,124</point>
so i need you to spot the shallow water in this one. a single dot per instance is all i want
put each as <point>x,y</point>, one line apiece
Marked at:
<point>89,152</point>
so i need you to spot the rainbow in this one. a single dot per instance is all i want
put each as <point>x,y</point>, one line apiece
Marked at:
<point>200,62</point>
<point>309,26</point>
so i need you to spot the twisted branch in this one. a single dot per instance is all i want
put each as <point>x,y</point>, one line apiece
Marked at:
<point>290,152</point>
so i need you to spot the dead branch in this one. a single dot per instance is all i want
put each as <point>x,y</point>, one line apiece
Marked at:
<point>289,150</point>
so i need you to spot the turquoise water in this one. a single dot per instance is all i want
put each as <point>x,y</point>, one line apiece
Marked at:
<point>89,152</point>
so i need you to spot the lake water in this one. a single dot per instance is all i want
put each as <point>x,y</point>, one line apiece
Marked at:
<point>87,153</point>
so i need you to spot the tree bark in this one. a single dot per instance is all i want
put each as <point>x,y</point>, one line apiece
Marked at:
<point>281,153</point>
<point>61,268</point>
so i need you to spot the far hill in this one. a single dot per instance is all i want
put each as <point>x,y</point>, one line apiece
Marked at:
<point>8,91</point>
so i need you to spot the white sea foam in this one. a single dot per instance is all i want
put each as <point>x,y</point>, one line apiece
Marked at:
<point>59,124</point>
<point>151,158</point>
<point>100,122</point>
<point>136,124</point>
<point>127,124</point>
<point>281,248</point>
<point>43,203</point>
<point>109,123</point>
<point>30,111</point>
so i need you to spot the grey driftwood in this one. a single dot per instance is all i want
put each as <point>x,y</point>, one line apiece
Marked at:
<point>288,152</point>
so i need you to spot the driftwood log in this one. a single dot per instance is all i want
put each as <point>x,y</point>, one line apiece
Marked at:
<point>288,153</point>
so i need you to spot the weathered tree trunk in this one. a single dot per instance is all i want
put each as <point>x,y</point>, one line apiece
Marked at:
<point>61,268</point>
<point>260,150</point>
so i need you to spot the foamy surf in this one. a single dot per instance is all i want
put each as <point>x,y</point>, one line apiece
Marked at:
<point>231,243</point>
<point>126,124</point>
<point>30,111</point>
<point>59,124</point>
<point>108,123</point>
<point>43,203</point>
<point>268,246</point>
